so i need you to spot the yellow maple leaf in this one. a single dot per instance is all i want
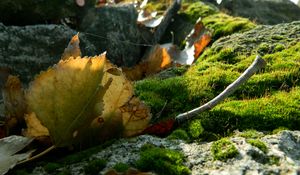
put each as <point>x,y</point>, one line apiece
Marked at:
<point>64,97</point>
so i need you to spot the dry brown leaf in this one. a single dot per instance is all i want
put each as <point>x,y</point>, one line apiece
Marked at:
<point>34,127</point>
<point>157,60</point>
<point>136,117</point>
<point>196,42</point>
<point>201,44</point>
<point>64,97</point>
<point>73,48</point>
<point>14,105</point>
<point>13,98</point>
<point>126,116</point>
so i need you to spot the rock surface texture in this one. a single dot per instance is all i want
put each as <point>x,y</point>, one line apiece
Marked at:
<point>263,11</point>
<point>30,49</point>
<point>281,157</point>
<point>114,29</point>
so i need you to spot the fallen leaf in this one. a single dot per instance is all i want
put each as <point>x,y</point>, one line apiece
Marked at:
<point>161,128</point>
<point>201,44</point>
<point>34,127</point>
<point>136,117</point>
<point>9,146</point>
<point>196,42</point>
<point>13,98</point>
<point>64,97</point>
<point>157,60</point>
<point>14,105</point>
<point>73,48</point>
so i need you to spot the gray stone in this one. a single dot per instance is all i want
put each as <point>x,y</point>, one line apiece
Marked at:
<point>20,12</point>
<point>284,146</point>
<point>30,49</point>
<point>263,11</point>
<point>114,29</point>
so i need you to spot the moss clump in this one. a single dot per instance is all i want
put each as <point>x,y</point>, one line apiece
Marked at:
<point>251,134</point>
<point>273,160</point>
<point>279,129</point>
<point>198,9</point>
<point>121,167</point>
<point>223,25</point>
<point>156,92</point>
<point>94,166</point>
<point>223,149</point>
<point>195,128</point>
<point>179,134</point>
<point>267,113</point>
<point>259,144</point>
<point>162,161</point>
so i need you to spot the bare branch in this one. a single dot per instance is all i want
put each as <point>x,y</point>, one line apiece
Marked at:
<point>257,64</point>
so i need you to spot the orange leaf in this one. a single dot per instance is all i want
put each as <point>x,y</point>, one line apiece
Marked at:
<point>73,49</point>
<point>34,127</point>
<point>157,60</point>
<point>201,44</point>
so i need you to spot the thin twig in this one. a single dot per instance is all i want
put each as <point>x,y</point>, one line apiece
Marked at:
<point>257,64</point>
<point>38,155</point>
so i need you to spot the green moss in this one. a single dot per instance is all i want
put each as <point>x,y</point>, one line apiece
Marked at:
<point>267,113</point>
<point>195,129</point>
<point>157,92</point>
<point>266,101</point>
<point>121,167</point>
<point>179,134</point>
<point>273,160</point>
<point>198,9</point>
<point>251,134</point>
<point>223,25</point>
<point>279,47</point>
<point>223,149</point>
<point>52,167</point>
<point>259,144</point>
<point>162,161</point>
<point>84,155</point>
<point>263,48</point>
<point>94,166</point>
<point>279,129</point>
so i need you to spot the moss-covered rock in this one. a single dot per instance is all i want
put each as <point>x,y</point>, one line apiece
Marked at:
<point>179,134</point>
<point>259,144</point>
<point>267,101</point>
<point>223,149</point>
<point>161,161</point>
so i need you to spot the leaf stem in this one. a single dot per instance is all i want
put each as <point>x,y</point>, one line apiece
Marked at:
<point>38,155</point>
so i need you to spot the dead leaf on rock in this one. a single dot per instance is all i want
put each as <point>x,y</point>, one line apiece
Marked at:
<point>196,42</point>
<point>157,60</point>
<point>73,48</point>
<point>64,97</point>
